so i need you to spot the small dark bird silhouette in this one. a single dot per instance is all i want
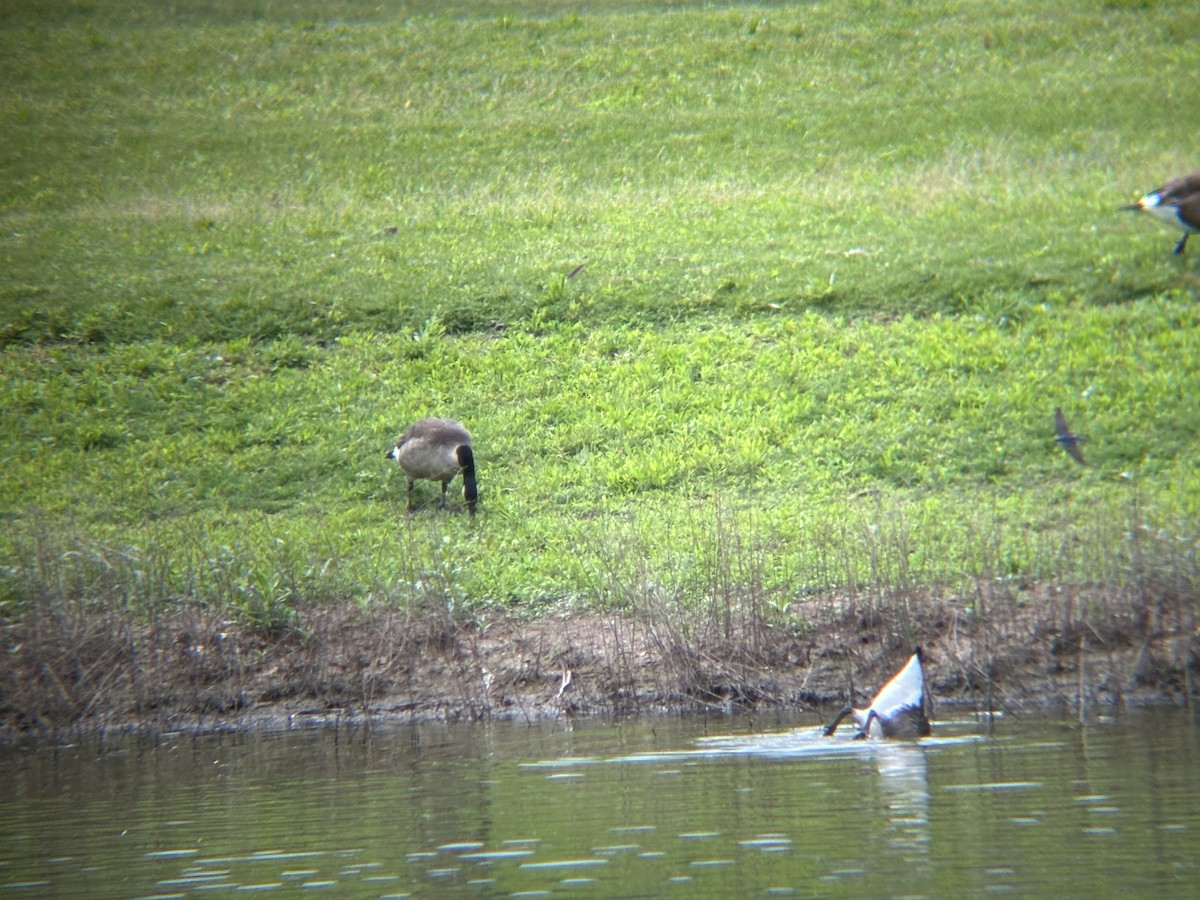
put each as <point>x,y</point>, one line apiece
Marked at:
<point>1177,203</point>
<point>1068,441</point>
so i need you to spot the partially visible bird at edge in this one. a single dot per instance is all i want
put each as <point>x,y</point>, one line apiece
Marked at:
<point>1177,203</point>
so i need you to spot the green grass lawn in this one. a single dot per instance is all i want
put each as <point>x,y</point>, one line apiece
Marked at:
<point>842,263</point>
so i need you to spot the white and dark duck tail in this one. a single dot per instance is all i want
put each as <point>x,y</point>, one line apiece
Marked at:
<point>898,710</point>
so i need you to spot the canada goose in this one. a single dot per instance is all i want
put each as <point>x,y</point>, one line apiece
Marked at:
<point>898,710</point>
<point>1068,441</point>
<point>437,450</point>
<point>1177,203</point>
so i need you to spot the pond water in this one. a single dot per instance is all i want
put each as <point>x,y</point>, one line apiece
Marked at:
<point>690,807</point>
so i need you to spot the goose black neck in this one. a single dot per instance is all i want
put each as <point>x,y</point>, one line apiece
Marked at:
<point>466,459</point>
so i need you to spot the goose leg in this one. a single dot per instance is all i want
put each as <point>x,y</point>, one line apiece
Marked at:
<point>410,490</point>
<point>1182,242</point>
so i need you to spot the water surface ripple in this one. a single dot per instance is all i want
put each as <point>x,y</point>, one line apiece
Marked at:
<point>724,807</point>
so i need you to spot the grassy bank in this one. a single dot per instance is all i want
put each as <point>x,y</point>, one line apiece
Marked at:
<point>841,264</point>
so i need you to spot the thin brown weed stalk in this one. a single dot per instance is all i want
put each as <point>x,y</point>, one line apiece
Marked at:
<point>704,611</point>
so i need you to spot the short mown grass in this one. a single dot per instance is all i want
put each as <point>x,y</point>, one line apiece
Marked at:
<point>841,263</point>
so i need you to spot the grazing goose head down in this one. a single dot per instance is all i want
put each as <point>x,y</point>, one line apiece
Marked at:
<point>437,450</point>
<point>1177,203</point>
<point>898,710</point>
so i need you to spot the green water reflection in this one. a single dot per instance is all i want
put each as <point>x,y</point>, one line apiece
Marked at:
<point>729,807</point>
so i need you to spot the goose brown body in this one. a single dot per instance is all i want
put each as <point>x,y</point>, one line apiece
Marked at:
<point>438,450</point>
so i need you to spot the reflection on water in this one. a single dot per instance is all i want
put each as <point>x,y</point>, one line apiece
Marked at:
<point>904,786</point>
<point>726,807</point>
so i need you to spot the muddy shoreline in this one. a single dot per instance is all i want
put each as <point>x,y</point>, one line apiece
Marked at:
<point>1011,651</point>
